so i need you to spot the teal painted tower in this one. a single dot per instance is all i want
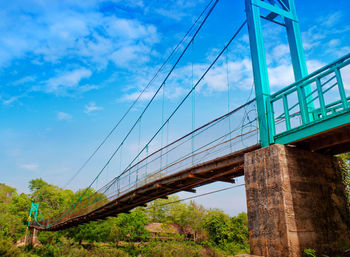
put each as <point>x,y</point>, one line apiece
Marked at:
<point>284,9</point>
<point>34,208</point>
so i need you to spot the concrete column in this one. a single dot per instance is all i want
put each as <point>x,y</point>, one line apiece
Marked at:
<point>31,238</point>
<point>296,200</point>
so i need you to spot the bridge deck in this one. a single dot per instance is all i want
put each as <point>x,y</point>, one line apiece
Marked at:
<point>330,142</point>
<point>224,168</point>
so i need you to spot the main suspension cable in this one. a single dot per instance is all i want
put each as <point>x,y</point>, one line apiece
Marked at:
<point>155,94</point>
<point>138,97</point>
<point>141,115</point>
<point>136,122</point>
<point>188,94</point>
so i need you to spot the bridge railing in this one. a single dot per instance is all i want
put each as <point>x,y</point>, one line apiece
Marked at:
<point>231,132</point>
<point>319,96</point>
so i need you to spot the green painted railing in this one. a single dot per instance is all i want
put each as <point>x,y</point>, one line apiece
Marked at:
<point>316,98</point>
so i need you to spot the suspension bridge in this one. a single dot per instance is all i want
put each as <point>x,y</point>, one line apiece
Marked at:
<point>311,114</point>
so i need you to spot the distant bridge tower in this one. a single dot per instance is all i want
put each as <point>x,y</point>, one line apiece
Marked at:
<point>295,197</point>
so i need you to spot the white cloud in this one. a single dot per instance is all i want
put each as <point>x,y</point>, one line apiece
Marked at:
<point>179,84</point>
<point>313,65</point>
<point>328,37</point>
<point>146,96</point>
<point>24,80</point>
<point>29,166</point>
<point>86,88</point>
<point>183,8</point>
<point>64,116</point>
<point>67,80</point>
<point>281,76</point>
<point>332,19</point>
<point>11,100</point>
<point>341,51</point>
<point>130,55</point>
<point>92,107</point>
<point>172,92</point>
<point>127,29</point>
<point>280,51</point>
<point>334,42</point>
<point>175,92</point>
<point>67,30</point>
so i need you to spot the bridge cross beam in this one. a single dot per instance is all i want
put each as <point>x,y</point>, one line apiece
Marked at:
<point>284,9</point>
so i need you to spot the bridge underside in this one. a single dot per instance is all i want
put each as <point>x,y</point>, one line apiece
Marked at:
<point>224,168</point>
<point>331,142</point>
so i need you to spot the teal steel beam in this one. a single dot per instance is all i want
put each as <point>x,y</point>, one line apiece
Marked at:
<point>274,9</point>
<point>341,89</point>
<point>321,97</point>
<point>295,43</point>
<point>297,53</point>
<point>261,80</point>
<point>319,126</point>
<point>286,111</point>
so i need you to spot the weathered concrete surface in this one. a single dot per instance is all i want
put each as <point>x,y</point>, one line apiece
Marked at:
<point>296,200</point>
<point>31,238</point>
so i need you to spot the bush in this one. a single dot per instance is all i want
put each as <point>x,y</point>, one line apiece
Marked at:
<point>171,248</point>
<point>7,249</point>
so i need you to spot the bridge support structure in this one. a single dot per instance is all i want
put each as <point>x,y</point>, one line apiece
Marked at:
<point>31,238</point>
<point>282,13</point>
<point>296,200</point>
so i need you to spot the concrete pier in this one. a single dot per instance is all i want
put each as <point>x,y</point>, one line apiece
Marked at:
<point>32,237</point>
<point>296,200</point>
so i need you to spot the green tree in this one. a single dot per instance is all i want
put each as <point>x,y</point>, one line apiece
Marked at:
<point>95,231</point>
<point>130,227</point>
<point>229,234</point>
<point>6,194</point>
<point>7,249</point>
<point>217,223</point>
<point>346,173</point>
<point>239,228</point>
<point>13,208</point>
<point>166,210</point>
<point>52,199</point>
<point>191,219</point>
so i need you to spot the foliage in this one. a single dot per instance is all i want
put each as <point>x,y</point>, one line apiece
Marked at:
<point>14,211</point>
<point>171,248</point>
<point>346,173</point>
<point>161,211</point>
<point>7,249</point>
<point>310,252</point>
<point>96,231</point>
<point>188,216</point>
<point>130,227</point>
<point>67,247</point>
<point>229,234</point>
<point>52,199</point>
<point>200,232</point>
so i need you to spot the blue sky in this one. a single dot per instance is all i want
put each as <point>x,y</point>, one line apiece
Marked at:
<point>69,69</point>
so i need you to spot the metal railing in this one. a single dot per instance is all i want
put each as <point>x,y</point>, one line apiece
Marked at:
<point>317,97</point>
<point>231,132</point>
